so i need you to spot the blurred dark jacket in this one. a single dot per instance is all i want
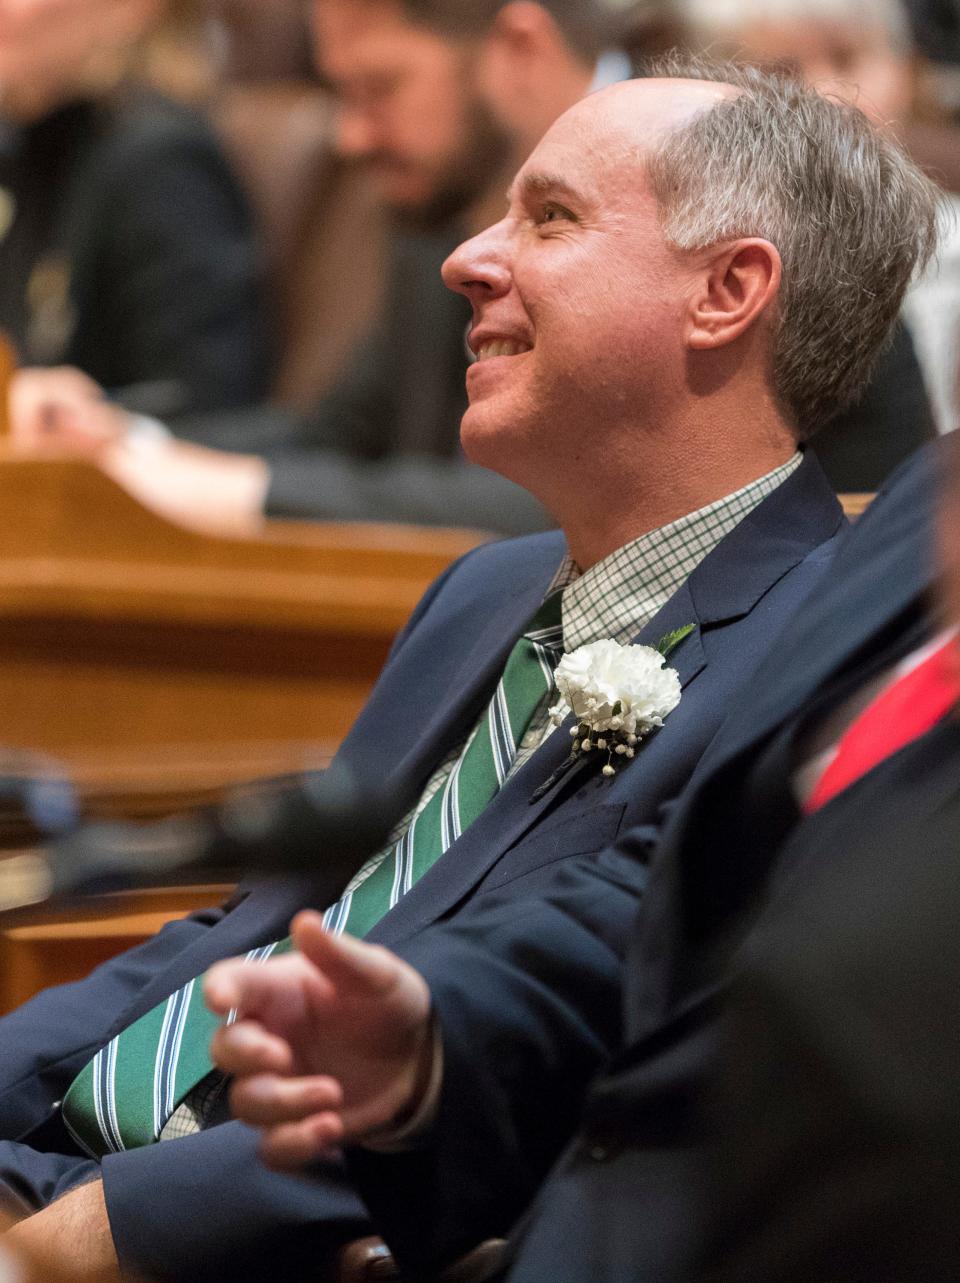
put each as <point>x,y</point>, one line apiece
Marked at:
<point>861,447</point>
<point>129,253</point>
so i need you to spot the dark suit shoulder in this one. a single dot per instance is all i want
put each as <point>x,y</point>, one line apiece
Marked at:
<point>140,121</point>
<point>484,579</point>
<point>867,441</point>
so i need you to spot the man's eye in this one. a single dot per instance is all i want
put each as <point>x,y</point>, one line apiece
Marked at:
<point>556,214</point>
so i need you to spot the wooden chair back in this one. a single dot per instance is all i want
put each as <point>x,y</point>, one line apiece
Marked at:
<point>8,363</point>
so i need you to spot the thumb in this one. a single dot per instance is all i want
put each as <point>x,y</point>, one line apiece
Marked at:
<point>347,963</point>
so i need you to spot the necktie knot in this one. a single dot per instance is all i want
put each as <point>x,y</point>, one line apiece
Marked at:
<point>546,626</point>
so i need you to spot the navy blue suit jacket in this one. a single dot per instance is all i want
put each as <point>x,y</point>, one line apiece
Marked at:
<point>610,1013</point>
<point>203,1207</point>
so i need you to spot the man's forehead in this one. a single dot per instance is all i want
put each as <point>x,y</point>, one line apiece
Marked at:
<point>636,112</point>
<point>352,26</point>
<point>609,132</point>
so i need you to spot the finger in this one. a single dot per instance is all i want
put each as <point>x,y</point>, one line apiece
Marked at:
<point>247,1048</point>
<point>278,989</point>
<point>347,963</point>
<point>99,419</point>
<point>223,985</point>
<point>266,1099</point>
<point>290,1146</point>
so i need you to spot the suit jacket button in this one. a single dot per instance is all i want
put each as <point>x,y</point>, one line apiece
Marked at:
<point>598,1153</point>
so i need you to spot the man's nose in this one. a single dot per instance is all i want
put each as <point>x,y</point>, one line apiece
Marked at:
<point>480,267</point>
<point>356,132</point>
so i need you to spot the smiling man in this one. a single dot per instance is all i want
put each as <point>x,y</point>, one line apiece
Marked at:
<point>643,318</point>
<point>604,409</point>
<point>710,223</point>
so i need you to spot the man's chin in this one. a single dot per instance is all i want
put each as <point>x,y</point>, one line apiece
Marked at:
<point>489,443</point>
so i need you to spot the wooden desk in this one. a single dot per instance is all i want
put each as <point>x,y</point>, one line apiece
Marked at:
<point>57,947</point>
<point>161,665</point>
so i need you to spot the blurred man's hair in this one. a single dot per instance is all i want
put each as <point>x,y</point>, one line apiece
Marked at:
<point>587,25</point>
<point>853,218</point>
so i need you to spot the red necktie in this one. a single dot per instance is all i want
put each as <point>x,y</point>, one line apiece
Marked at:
<point>904,711</point>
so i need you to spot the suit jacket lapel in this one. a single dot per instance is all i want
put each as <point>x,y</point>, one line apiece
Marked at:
<point>868,612</point>
<point>265,913</point>
<point>843,627</point>
<point>465,696</point>
<point>725,586</point>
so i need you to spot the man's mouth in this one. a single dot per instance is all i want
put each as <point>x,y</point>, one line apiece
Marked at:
<point>501,347</point>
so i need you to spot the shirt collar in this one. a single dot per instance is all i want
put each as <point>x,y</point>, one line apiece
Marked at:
<point>619,596</point>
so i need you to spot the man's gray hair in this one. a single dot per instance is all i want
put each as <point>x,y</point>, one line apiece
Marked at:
<point>854,220</point>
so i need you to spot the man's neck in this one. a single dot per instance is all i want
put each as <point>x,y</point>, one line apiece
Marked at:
<point>595,532</point>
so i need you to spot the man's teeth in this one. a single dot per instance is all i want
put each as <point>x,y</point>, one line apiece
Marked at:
<point>501,347</point>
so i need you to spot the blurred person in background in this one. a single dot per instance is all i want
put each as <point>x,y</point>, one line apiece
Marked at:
<point>125,244</point>
<point>865,52</point>
<point>262,42</point>
<point>442,99</point>
<point>936,29</point>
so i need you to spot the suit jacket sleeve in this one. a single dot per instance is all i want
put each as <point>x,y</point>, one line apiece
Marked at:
<point>216,1213</point>
<point>528,1003</point>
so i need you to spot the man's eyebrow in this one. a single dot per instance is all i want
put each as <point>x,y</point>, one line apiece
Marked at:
<point>539,185</point>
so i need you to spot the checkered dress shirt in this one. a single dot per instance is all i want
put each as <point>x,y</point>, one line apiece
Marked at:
<point>619,596</point>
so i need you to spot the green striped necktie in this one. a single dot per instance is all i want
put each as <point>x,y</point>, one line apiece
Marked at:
<point>124,1096</point>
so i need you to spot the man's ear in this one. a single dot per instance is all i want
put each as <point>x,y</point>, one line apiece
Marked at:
<point>523,29</point>
<point>738,285</point>
<point>520,47</point>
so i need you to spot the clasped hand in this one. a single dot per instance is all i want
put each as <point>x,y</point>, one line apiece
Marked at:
<point>330,1044</point>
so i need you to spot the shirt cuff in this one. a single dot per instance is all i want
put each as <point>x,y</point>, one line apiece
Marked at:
<point>146,436</point>
<point>406,1136</point>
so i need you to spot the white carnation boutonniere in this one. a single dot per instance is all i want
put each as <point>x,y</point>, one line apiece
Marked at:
<point>618,694</point>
